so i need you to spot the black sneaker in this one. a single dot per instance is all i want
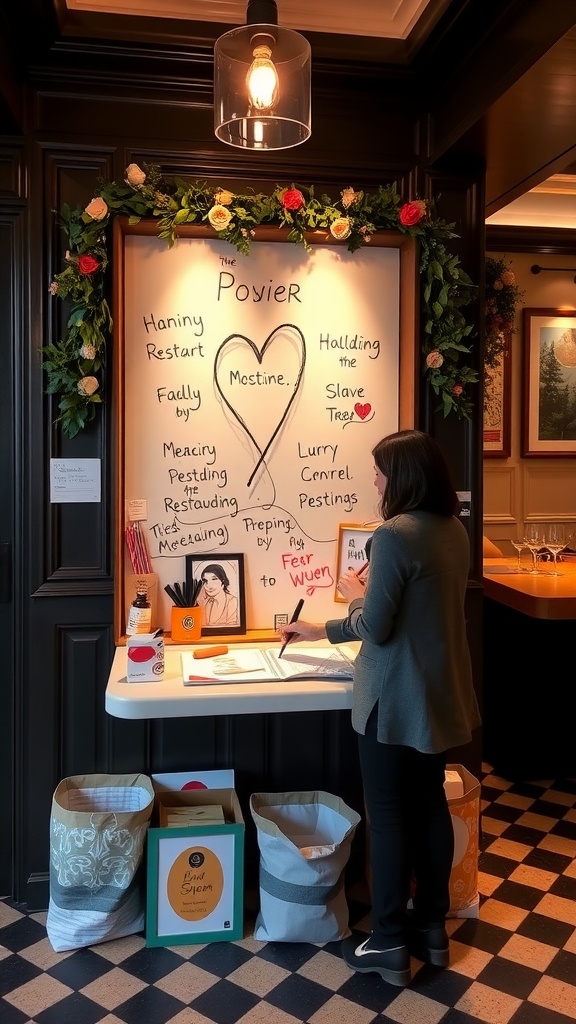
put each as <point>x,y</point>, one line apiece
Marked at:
<point>430,945</point>
<point>393,965</point>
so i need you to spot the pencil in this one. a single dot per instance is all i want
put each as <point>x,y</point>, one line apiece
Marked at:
<point>362,569</point>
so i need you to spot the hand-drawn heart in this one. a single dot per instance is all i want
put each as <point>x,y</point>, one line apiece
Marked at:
<point>362,410</point>
<point>233,345</point>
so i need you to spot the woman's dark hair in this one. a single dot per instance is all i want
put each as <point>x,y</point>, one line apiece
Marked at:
<point>218,571</point>
<point>417,475</point>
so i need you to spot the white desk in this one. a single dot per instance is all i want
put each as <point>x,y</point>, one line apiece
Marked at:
<point>169,698</point>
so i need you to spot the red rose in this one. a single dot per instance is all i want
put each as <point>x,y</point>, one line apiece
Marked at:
<point>88,265</point>
<point>457,390</point>
<point>292,199</point>
<point>412,213</point>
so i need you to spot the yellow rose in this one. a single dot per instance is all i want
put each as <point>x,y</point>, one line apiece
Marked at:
<point>135,176</point>
<point>223,197</point>
<point>340,228</point>
<point>97,209</point>
<point>87,386</point>
<point>219,217</point>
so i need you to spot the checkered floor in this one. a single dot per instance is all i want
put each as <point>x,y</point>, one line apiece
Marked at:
<point>515,965</point>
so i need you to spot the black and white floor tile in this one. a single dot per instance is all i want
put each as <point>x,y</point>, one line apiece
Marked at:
<point>516,964</point>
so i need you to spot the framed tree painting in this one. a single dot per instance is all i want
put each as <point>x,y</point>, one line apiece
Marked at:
<point>549,379</point>
<point>497,410</point>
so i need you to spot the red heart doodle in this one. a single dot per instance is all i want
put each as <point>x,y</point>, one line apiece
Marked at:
<point>362,410</point>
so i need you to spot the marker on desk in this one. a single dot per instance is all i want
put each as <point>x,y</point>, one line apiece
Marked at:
<point>210,652</point>
<point>289,636</point>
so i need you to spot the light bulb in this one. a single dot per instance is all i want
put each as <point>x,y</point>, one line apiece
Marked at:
<point>262,80</point>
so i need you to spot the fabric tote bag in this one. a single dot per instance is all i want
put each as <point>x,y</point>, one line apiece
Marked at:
<point>98,829</point>
<point>304,841</point>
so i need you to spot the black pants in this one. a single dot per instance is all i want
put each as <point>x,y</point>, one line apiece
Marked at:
<point>411,835</point>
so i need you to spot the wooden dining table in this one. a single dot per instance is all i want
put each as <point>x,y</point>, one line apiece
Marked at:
<point>541,595</point>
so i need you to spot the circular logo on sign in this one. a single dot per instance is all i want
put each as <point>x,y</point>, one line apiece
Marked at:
<point>195,883</point>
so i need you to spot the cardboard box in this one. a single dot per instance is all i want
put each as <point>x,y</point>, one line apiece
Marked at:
<point>144,658</point>
<point>218,778</point>
<point>195,890</point>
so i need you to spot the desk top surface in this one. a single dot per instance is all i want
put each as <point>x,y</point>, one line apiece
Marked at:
<point>541,596</point>
<point>169,698</point>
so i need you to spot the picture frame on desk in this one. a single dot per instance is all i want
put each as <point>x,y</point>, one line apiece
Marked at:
<point>352,540</point>
<point>222,597</point>
<point>497,404</point>
<point>549,383</point>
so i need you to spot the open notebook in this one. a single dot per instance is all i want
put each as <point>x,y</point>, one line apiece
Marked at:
<point>254,664</point>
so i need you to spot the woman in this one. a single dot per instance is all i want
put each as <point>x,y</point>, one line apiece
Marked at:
<point>220,607</point>
<point>413,698</point>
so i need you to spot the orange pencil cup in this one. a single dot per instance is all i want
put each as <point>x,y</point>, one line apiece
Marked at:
<point>186,624</point>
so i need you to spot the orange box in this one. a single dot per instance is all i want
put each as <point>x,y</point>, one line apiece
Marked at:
<point>186,624</point>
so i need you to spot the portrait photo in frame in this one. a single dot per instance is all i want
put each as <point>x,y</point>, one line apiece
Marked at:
<point>497,408</point>
<point>352,541</point>
<point>222,595</point>
<point>549,379</point>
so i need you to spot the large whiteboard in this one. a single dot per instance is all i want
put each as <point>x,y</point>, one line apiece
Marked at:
<point>251,390</point>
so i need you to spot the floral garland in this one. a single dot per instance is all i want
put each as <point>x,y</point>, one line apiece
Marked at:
<point>502,297</point>
<point>75,365</point>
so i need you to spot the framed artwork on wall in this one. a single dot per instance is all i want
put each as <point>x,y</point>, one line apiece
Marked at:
<point>222,595</point>
<point>549,379</point>
<point>497,407</point>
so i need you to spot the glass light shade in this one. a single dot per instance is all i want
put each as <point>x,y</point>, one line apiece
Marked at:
<point>278,116</point>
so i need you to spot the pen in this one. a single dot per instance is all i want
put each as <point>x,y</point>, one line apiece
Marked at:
<point>289,636</point>
<point>362,570</point>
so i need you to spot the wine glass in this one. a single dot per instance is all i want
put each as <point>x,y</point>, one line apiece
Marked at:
<point>554,539</point>
<point>534,540</point>
<point>519,543</point>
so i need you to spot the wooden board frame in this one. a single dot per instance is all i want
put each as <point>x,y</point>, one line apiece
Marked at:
<point>409,376</point>
<point>355,536</point>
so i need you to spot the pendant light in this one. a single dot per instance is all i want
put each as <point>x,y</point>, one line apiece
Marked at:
<point>262,83</point>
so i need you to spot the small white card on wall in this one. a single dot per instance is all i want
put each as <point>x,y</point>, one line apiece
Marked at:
<point>75,480</point>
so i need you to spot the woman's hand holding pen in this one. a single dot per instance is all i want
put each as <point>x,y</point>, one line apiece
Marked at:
<point>352,585</point>
<point>293,632</point>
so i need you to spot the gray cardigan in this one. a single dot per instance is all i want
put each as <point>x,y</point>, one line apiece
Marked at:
<point>414,659</point>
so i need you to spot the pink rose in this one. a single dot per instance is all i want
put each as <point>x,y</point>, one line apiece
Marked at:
<point>349,196</point>
<point>508,277</point>
<point>88,352</point>
<point>412,213</point>
<point>135,176</point>
<point>457,390</point>
<point>434,360</point>
<point>293,200</point>
<point>97,209</point>
<point>340,228</point>
<point>88,265</point>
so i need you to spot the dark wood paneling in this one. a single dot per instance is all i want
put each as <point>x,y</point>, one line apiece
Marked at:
<point>362,137</point>
<point>12,234</point>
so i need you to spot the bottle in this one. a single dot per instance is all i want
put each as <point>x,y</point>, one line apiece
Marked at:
<point>140,614</point>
